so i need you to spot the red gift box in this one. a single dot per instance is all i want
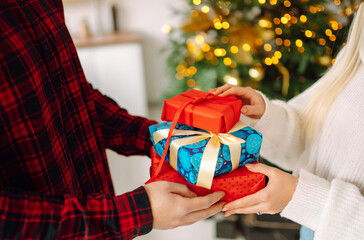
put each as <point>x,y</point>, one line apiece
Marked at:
<point>236,184</point>
<point>203,110</point>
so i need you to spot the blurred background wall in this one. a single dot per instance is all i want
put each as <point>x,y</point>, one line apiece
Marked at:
<point>143,16</point>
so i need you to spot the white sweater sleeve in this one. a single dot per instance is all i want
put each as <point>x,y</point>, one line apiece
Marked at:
<point>330,209</point>
<point>282,130</point>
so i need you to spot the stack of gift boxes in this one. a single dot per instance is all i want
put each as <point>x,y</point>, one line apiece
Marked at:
<point>201,143</point>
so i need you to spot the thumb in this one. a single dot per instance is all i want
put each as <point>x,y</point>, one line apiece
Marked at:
<point>182,190</point>
<point>259,168</point>
<point>250,110</point>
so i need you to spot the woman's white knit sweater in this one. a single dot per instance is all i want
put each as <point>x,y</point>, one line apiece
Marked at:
<point>329,196</point>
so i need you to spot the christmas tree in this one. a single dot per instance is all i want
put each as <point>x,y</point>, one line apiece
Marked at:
<point>278,47</point>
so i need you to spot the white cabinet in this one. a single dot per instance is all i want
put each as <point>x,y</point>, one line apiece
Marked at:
<point>113,64</point>
<point>115,67</point>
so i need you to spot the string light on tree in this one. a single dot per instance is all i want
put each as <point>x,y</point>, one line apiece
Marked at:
<point>267,44</point>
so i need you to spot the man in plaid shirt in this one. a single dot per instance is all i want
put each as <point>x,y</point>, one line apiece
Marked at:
<point>54,128</point>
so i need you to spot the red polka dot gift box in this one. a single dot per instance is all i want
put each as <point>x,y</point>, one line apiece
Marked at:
<point>236,184</point>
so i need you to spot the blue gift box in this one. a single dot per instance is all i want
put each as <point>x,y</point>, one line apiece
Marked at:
<point>189,156</point>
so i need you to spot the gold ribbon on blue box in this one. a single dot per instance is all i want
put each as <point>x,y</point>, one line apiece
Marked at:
<point>211,152</point>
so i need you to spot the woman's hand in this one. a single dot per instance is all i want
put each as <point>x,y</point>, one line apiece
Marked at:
<point>253,102</point>
<point>271,199</point>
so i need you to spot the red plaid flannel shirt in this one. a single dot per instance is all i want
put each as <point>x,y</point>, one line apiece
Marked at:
<point>54,128</point>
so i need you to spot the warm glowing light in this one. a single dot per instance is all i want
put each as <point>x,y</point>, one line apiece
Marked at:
<point>227,61</point>
<point>254,73</point>
<point>337,2</point>
<point>209,56</point>
<point>223,52</point>
<point>231,80</point>
<point>199,39</point>
<point>287,3</point>
<point>225,11</point>
<point>303,18</point>
<point>193,70</point>
<point>191,83</point>
<point>273,2</point>
<point>180,68</point>
<point>332,38</point>
<point>224,39</point>
<point>259,41</point>
<point>216,20</point>
<point>275,60</point>
<point>267,47</point>
<point>278,31</point>
<point>321,41</point>
<point>299,43</point>
<point>268,61</point>
<point>225,25</point>
<point>246,47</point>
<point>191,47</point>
<point>194,13</point>
<point>217,25</point>
<point>293,20</point>
<point>205,47</point>
<point>179,76</point>
<point>278,54</point>
<point>279,41</point>
<point>234,49</point>
<point>284,20</point>
<point>196,2</point>
<point>205,9</point>
<point>301,49</point>
<point>328,32</point>
<point>166,29</point>
<point>333,61</point>
<point>287,16</point>
<point>263,23</point>
<point>313,10</point>
<point>218,52</point>
<point>276,21</point>
<point>186,72</point>
<point>320,8</point>
<point>287,43</point>
<point>308,33</point>
<point>261,1</point>
<point>334,25</point>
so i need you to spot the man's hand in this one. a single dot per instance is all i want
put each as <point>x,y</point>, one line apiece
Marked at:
<point>175,205</point>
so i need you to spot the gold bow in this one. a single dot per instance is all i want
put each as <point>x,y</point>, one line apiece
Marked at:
<point>210,155</point>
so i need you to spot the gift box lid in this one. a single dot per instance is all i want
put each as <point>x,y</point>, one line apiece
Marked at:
<point>204,110</point>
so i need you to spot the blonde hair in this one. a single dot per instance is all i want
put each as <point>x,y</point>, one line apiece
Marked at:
<point>335,80</point>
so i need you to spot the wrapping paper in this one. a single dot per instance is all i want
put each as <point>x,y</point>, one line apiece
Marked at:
<point>236,184</point>
<point>203,110</point>
<point>241,147</point>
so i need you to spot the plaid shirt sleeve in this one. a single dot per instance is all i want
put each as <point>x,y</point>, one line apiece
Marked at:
<point>32,216</point>
<point>54,178</point>
<point>123,133</point>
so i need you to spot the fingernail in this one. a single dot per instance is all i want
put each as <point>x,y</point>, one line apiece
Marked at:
<point>244,110</point>
<point>227,214</point>
<point>225,209</point>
